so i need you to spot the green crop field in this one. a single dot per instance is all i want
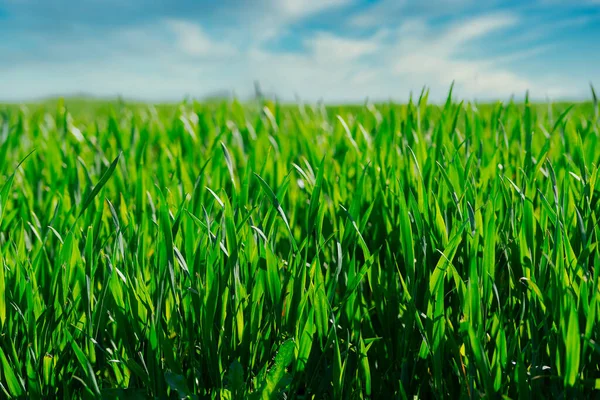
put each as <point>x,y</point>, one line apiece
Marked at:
<point>261,250</point>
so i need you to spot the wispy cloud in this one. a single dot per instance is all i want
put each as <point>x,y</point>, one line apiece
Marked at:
<point>275,16</point>
<point>340,50</point>
<point>405,59</point>
<point>192,40</point>
<point>471,29</point>
<point>390,11</point>
<point>437,61</point>
<point>295,9</point>
<point>327,47</point>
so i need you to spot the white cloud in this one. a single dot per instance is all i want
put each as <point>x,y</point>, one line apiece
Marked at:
<point>296,9</point>
<point>472,29</point>
<point>384,65</point>
<point>193,40</point>
<point>327,47</point>
<point>172,58</point>
<point>390,11</point>
<point>528,53</point>
<point>434,60</point>
<point>541,30</point>
<point>272,18</point>
<point>374,15</point>
<point>472,78</point>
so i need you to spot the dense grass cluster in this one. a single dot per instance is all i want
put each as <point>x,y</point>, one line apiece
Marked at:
<point>260,250</point>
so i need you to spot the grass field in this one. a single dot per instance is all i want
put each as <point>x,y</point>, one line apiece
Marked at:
<point>261,251</point>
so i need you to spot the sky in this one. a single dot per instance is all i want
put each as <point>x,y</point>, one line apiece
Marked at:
<point>333,50</point>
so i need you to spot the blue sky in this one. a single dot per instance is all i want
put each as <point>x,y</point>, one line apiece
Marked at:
<point>336,50</point>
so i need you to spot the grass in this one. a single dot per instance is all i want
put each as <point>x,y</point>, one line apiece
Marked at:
<point>260,251</point>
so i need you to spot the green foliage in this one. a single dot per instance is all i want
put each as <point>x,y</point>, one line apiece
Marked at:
<point>271,251</point>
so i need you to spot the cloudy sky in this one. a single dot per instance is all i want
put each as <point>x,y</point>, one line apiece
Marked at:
<point>337,50</point>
